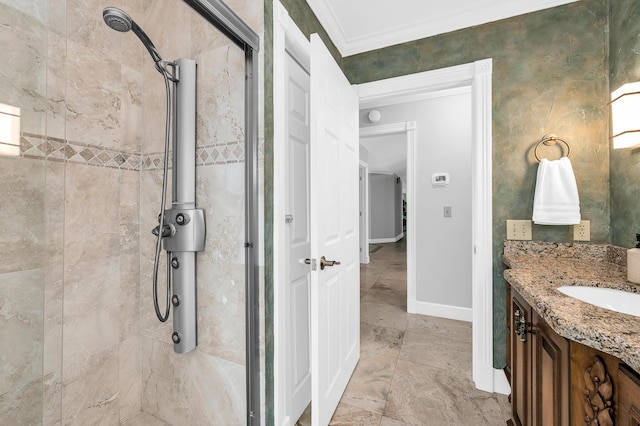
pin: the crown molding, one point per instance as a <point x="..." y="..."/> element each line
<point x="429" y="27"/>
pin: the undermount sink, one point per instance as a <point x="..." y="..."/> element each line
<point x="608" y="298"/>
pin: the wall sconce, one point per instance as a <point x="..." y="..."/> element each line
<point x="9" y="130"/>
<point x="625" y="116"/>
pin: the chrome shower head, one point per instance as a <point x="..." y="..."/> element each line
<point x="120" y="21"/>
<point x="117" y="19"/>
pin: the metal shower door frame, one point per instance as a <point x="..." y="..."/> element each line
<point x="224" y="19"/>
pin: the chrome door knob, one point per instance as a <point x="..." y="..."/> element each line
<point x="324" y="262"/>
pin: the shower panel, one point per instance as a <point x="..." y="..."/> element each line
<point x="185" y="223"/>
<point x="181" y="230"/>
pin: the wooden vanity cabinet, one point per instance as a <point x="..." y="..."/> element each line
<point x="550" y="375"/>
<point x="539" y="369"/>
<point x="628" y="397"/>
<point x="557" y="382"/>
<point x="521" y="398"/>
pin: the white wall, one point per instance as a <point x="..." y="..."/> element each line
<point x="385" y="200"/>
<point x="443" y="245"/>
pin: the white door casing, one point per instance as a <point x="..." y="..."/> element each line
<point x="364" y="212"/>
<point x="298" y="238"/>
<point x="478" y="76"/>
<point x="408" y="129"/>
<point x="335" y="291"/>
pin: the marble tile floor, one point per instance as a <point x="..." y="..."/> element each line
<point x="413" y="369"/>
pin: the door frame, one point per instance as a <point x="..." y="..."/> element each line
<point x="478" y="76"/>
<point x="285" y="35"/>
<point x="409" y="129"/>
<point x="364" y="219"/>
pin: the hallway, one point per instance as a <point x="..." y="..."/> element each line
<point x="413" y="369"/>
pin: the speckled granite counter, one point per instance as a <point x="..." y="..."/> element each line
<point x="538" y="268"/>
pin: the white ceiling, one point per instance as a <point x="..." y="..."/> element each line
<point x="357" y="26"/>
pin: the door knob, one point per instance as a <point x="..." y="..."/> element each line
<point x="324" y="262"/>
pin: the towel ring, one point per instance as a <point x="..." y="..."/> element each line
<point x="549" y="140"/>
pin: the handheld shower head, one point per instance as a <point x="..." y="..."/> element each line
<point x="120" y="21"/>
<point x="117" y="19"/>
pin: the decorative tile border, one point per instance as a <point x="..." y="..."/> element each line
<point x="56" y="149"/>
<point x="220" y="154"/>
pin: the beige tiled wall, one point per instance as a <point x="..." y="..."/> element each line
<point x="81" y="344"/>
<point x="206" y="386"/>
<point x="23" y="35"/>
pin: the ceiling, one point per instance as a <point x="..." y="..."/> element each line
<point x="357" y="26"/>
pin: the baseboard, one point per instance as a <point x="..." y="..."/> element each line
<point x="500" y="382"/>
<point x="386" y="240"/>
<point x="442" y="311"/>
<point x="286" y="421"/>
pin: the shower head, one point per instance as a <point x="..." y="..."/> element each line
<point x="117" y="19"/>
<point x="120" y="21"/>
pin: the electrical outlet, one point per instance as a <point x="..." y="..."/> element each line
<point x="582" y="232"/>
<point x="518" y="230"/>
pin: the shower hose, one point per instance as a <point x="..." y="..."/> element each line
<point x="161" y="216"/>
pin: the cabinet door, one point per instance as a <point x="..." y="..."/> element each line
<point x="549" y="375"/>
<point x="629" y="397"/>
<point x="520" y="363"/>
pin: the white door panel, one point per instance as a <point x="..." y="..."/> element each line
<point x="297" y="235"/>
<point x="300" y="331"/>
<point x="335" y="301"/>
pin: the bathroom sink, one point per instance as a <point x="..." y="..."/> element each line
<point x="608" y="298"/>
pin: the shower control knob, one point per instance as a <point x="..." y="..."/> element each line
<point x="166" y="231"/>
<point x="175" y="300"/>
<point x="175" y="337"/>
<point x="175" y="263"/>
<point x="182" y="219"/>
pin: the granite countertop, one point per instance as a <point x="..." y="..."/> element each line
<point x="538" y="269"/>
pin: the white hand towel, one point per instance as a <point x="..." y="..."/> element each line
<point x="556" y="200"/>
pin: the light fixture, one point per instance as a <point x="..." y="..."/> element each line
<point x="9" y="130"/>
<point x="625" y="116"/>
<point x="374" y="116"/>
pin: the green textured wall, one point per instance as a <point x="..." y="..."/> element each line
<point x="268" y="210"/>
<point x="624" y="67"/>
<point x="550" y="75"/>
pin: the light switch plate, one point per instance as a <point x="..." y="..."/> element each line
<point x="582" y="232"/>
<point x="519" y="230"/>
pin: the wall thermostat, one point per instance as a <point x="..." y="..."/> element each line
<point x="440" y="179"/>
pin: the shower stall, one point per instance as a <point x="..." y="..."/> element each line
<point x="82" y="161"/>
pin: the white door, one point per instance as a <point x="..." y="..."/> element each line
<point x="297" y="235"/>
<point x="335" y="290"/>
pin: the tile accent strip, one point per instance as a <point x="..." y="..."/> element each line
<point x="56" y="149"/>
